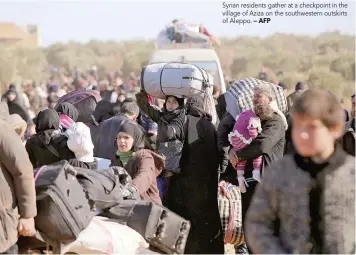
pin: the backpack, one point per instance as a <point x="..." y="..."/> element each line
<point x="85" y="100"/>
<point x="229" y="202"/>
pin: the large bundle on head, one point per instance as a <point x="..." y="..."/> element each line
<point x="239" y="97"/>
<point x="177" y="79"/>
<point x="85" y="100"/>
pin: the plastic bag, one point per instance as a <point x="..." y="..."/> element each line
<point x="104" y="236"/>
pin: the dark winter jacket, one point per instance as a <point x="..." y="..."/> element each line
<point x="269" y="143"/>
<point x="47" y="138"/>
<point x="170" y="124"/>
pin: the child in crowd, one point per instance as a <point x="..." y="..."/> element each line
<point x="306" y="203"/>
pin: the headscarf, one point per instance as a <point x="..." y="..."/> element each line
<point x="47" y="121"/>
<point x="179" y="100"/>
<point x="104" y="110"/>
<point x="179" y="113"/>
<point x="136" y="133"/>
<point x="69" y="110"/>
<point x="196" y="108"/>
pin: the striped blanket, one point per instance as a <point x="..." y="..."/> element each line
<point x="239" y="97"/>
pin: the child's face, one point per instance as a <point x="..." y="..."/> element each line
<point x="171" y="104"/>
<point x="311" y="137"/>
<point x="124" y="142"/>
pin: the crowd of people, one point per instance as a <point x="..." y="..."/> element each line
<point x="295" y="170"/>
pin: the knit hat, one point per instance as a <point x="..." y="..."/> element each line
<point x="79" y="141"/>
<point x="299" y="86"/>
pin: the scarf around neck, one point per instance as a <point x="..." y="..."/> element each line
<point x="125" y="156"/>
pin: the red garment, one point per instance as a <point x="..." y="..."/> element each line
<point x="204" y="31"/>
<point x="151" y="100"/>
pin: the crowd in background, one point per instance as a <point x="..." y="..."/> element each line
<point x="316" y="136"/>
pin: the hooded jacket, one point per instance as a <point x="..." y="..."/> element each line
<point x="144" y="167"/>
<point x="47" y="135"/>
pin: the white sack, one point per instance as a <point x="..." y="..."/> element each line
<point x="104" y="236"/>
<point x="177" y="79"/>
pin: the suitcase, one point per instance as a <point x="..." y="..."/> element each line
<point x="85" y="100"/>
<point x="162" y="229"/>
<point x="179" y="79"/>
<point x="64" y="209"/>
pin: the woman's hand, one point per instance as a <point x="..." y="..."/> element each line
<point x="233" y="158"/>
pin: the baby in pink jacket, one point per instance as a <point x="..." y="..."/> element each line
<point x="246" y="128"/>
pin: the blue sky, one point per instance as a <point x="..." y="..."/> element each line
<point x="84" y="20"/>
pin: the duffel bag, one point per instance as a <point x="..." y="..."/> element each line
<point x="161" y="228"/>
<point x="64" y="208"/>
<point x="85" y="100"/>
<point x="103" y="186"/>
<point x="239" y="97"/>
<point x="179" y="79"/>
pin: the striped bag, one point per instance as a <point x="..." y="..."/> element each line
<point x="229" y="201"/>
<point x="239" y="97"/>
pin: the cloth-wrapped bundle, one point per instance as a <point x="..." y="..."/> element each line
<point x="178" y="79"/>
<point x="239" y="97"/>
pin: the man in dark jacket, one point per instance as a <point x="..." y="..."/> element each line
<point x="269" y="144"/>
<point x="105" y="135"/>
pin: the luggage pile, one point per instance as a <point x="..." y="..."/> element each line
<point x="182" y="32"/>
<point x="70" y="201"/>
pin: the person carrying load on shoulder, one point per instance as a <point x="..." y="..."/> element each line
<point x="170" y="134"/>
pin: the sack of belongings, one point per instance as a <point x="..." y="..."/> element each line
<point x="239" y="97"/>
<point x="179" y="79"/>
<point x="105" y="236"/>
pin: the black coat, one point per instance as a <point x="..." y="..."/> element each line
<point x="193" y="193"/>
<point x="40" y="155"/>
<point x="269" y="143"/>
<point x="228" y="173"/>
